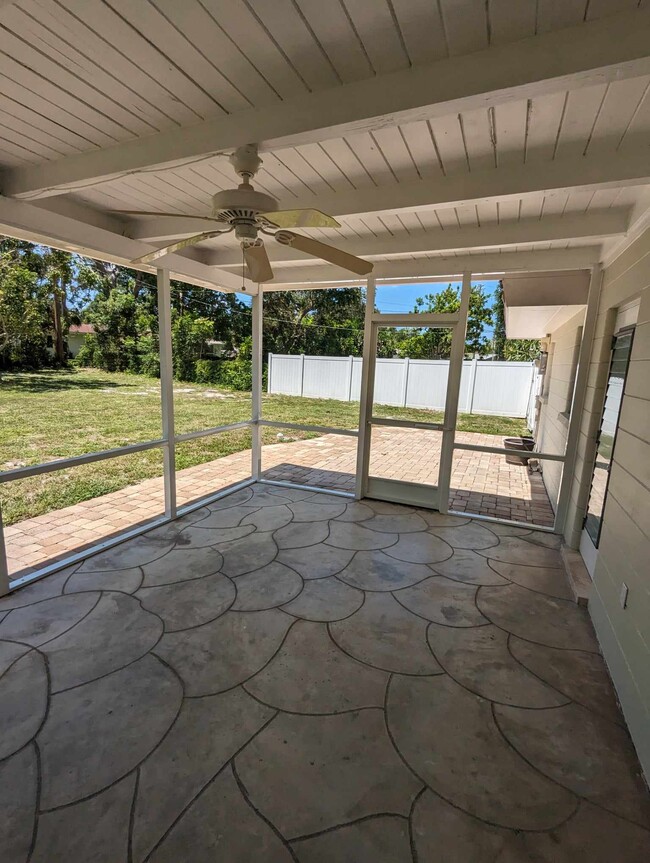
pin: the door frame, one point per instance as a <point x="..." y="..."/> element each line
<point x="399" y="491"/>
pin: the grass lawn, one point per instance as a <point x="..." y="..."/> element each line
<point x="56" y="414"/>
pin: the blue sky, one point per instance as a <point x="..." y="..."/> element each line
<point x="401" y="298"/>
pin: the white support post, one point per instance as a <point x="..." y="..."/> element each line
<point x="167" y="390"/>
<point x="367" y="392"/>
<point x="256" y="428"/>
<point x="269" y="374"/>
<point x="350" y="376"/>
<point x="405" y="381"/>
<point x="453" y="394"/>
<point x="302" y="374"/>
<point x="4" y="568"/>
<point x="579" y="393"/>
<point x="471" y="386"/>
<point x="530" y="405"/>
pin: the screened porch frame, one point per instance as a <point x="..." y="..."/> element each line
<point x="168" y="440"/>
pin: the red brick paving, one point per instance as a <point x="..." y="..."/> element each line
<point x="481" y="483"/>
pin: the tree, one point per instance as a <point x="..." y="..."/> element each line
<point x="435" y="342"/>
<point x="58" y="274"/>
<point x="122" y="306"/>
<point x="521" y="350"/>
<point x="231" y="319"/>
<point x="189" y="335"/>
<point x="121" y="303"/>
<point x="325" y="323"/>
<point x="499" y="319"/>
<point x="23" y="312"/>
<point x="513" y="350"/>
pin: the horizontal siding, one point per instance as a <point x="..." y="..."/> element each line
<point x="624" y="552"/>
<point x="634" y="495"/>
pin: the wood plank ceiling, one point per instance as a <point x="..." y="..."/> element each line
<point x="79" y="75"/>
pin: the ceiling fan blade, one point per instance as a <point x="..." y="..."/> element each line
<point x="300" y="219"/>
<point x="257" y="263"/>
<point x="172" y="215"/>
<point x="327" y="253"/>
<point x="174" y="247"/>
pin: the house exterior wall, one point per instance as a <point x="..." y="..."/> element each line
<point x="75" y="341"/>
<point x="557" y="392"/>
<point x="624" y="549"/>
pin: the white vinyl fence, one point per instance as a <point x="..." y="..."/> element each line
<point x="486" y="387"/>
<point x="535" y="391"/>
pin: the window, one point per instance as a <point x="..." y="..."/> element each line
<point x="606" y="441"/>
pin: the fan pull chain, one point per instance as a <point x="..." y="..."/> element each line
<point x="243" y="267"/>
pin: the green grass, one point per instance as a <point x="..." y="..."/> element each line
<point x="57" y="414"/>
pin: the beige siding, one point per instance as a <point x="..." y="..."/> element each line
<point x="554" y="417"/>
<point x="624" y="551"/>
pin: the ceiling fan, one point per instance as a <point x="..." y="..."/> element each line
<point x="249" y="213"/>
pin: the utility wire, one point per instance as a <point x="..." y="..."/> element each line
<point x="247" y="314"/>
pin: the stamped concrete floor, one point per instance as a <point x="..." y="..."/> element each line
<point x="289" y="676"/>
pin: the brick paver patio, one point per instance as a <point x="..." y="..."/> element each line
<point x="481" y="483"/>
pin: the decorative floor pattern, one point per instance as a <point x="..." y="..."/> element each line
<point x="482" y="483"/>
<point x="289" y="676"/>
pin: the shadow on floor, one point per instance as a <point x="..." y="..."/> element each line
<point x="537" y="511"/>
<point x="55" y="379"/>
<point x="319" y="477"/>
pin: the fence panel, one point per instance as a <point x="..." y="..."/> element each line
<point x="502" y="389"/>
<point x="486" y="387"/>
<point x="389" y="382"/>
<point x="535" y="390"/>
<point x="327" y="378"/>
<point x="427" y="384"/>
<point x="285" y="374"/>
<point x="355" y="389"/>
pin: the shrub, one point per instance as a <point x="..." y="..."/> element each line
<point x="236" y="375"/>
<point x="206" y="371"/>
<point x="231" y="374"/>
<point x="150" y="365"/>
<point x="188" y="337"/>
<point x="108" y="357"/>
<point x="86" y="353"/>
<point x="130" y="357"/>
<point x="149" y="359"/>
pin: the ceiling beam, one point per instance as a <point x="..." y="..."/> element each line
<point x="588" y="173"/>
<point x="594" y="52"/>
<point x="39" y="225"/>
<point x="166" y="229"/>
<point x="494" y="263"/>
<point x="595" y="226"/>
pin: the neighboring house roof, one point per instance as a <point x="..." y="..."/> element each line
<point x="83" y="329"/>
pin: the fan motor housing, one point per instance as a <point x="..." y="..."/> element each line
<point x="244" y="199"/>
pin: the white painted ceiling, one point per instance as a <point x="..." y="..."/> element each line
<point x="83" y="76"/>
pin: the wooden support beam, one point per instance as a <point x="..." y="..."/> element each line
<point x="442" y="267"/>
<point x="629" y="167"/>
<point x="609" y="223"/>
<point x="594" y="52"/>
